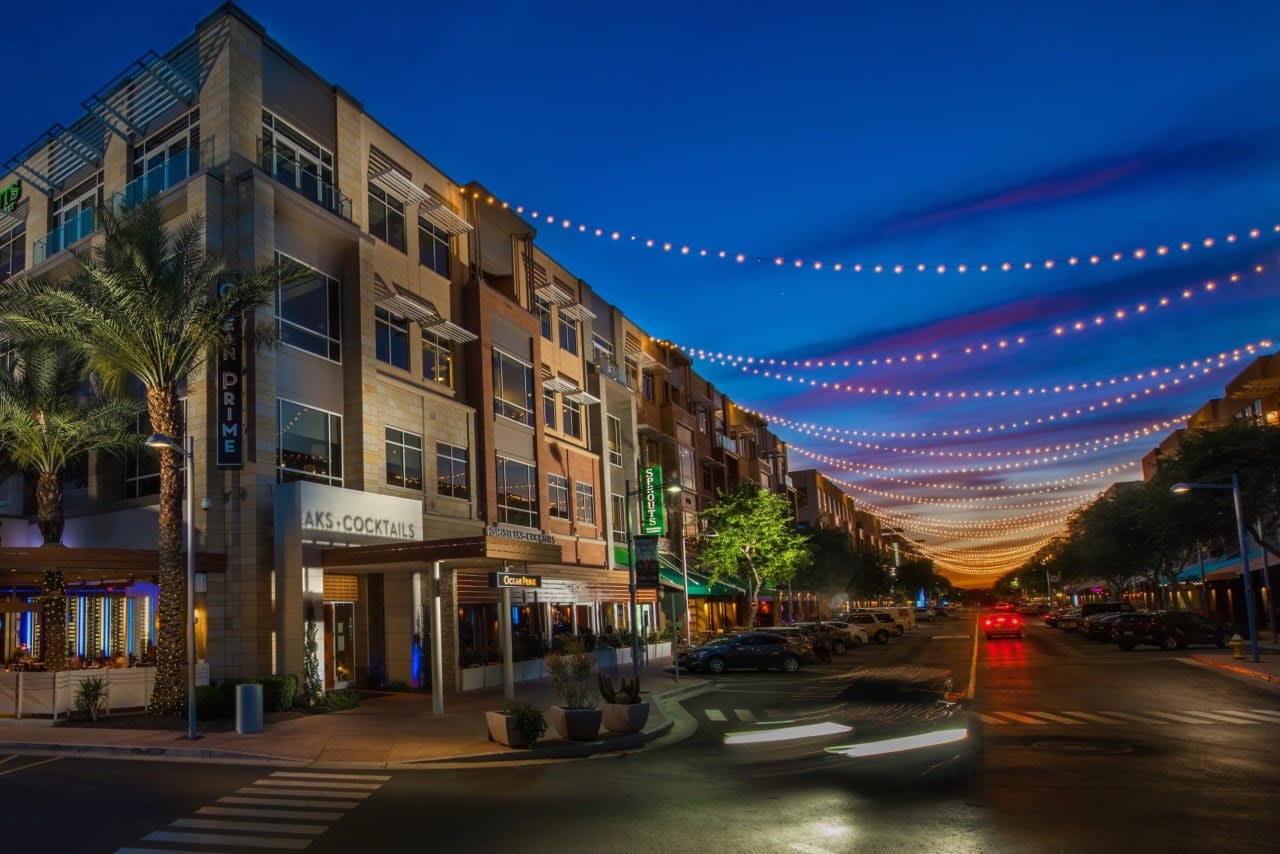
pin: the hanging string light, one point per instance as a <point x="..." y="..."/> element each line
<point x="1152" y="250"/>
<point x="1014" y="490"/>
<point x="862" y="468"/>
<point x="984" y="503"/>
<point x="987" y="467"/>
<point x="1008" y="344"/>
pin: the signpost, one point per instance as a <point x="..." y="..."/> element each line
<point x="230" y="419"/>
<point x="514" y="580"/>
<point x="647" y="563"/>
<point x="653" y="520"/>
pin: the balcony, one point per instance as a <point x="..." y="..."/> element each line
<point x="70" y="232"/>
<point x="608" y="368"/>
<point x="166" y="175"/>
<point x="301" y="177"/>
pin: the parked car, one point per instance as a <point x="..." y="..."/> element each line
<point x="1002" y="624"/>
<point x="887" y="619"/>
<point x="1068" y="619"/>
<point x="867" y="621"/>
<point x="850" y="635"/>
<point x="1088" y="609"/>
<point x="759" y="650"/>
<point x="904" y="615"/>
<point x="800" y="632"/>
<point x="1032" y="609"/>
<point x="924" y="615"/>
<point x="1098" y="626"/>
<point x="1168" y="629"/>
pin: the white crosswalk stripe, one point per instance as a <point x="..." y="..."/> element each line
<point x="1178" y="718"/>
<point x="715" y="715"/>
<point x="1066" y="717"/>
<point x="1021" y="719"/>
<point x="1057" y="719"/>
<point x="284" y="811"/>
<point x="1248" y="717"/>
<point x="1271" y="713"/>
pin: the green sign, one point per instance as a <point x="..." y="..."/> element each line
<point x="10" y="196"/>
<point x="653" y="521"/>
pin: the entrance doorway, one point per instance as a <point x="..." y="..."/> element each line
<point x="339" y="644"/>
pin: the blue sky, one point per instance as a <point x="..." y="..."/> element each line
<point x="841" y="132"/>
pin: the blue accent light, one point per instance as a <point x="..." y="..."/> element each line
<point x="129" y="611"/>
<point x="515" y="615"/>
<point x="415" y="663"/>
<point x="24" y="629"/>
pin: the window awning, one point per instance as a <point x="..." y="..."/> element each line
<point x="583" y="397"/>
<point x="439" y="214"/>
<point x="399" y="185"/>
<point x="450" y="331"/>
<point x="579" y="312"/>
<point x="396" y="299"/>
<point x="554" y="294"/>
<point x="699" y="585"/>
<point x="559" y="384"/>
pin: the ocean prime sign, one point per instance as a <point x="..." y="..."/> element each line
<point x="653" y="521"/>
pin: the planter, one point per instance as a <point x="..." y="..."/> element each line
<point x="576" y="724"/>
<point x="502" y="729"/>
<point x="624" y="717"/>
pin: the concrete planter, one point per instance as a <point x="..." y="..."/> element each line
<point x="575" y="724"/>
<point x="502" y="729"/>
<point x="624" y="717"/>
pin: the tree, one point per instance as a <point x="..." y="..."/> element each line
<point x="750" y="535"/>
<point x="148" y="304"/>
<point x="48" y="419"/>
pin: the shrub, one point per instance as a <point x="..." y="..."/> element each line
<point x="91" y="697"/>
<point x="528" y="720"/>
<point x="571" y="675"/>
<point x="627" y="693"/>
<point x="337" y="701"/>
<point x="278" y="692"/>
<point x="211" y="702"/>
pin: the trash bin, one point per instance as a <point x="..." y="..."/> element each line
<point x="248" y="708"/>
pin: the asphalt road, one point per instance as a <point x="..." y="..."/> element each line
<point x="1086" y="749"/>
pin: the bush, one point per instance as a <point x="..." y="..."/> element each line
<point x="211" y="702"/>
<point x="91" y="697"/>
<point x="571" y="674"/>
<point x="278" y="692"/>
<point x="337" y="701"/>
<point x="528" y="720"/>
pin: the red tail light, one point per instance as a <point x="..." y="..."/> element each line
<point x="987" y="622"/>
<point x="1017" y="621"/>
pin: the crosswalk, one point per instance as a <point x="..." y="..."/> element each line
<point x="284" y="811"/>
<point x="1149" y="717"/>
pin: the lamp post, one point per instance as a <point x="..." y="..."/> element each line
<point x="631" y="572"/>
<point x="1234" y="486"/>
<point x="160" y="441"/>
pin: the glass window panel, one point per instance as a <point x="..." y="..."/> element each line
<point x="310" y="445"/>
<point x="453" y="477"/>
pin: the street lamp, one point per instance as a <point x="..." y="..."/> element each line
<point x="676" y="489"/>
<point x="1234" y="486"/>
<point x="160" y="441"/>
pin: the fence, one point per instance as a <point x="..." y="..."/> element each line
<point x="52" y="695"/>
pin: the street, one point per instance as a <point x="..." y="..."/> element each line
<point x="1086" y="748"/>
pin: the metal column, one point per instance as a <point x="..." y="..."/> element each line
<point x="437" y="643"/>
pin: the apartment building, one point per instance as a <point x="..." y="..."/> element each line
<point x="449" y="406"/>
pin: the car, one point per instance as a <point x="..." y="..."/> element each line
<point x="1032" y="609"/>
<point x="924" y="615"/>
<point x="1097" y="626"/>
<point x="850" y="635"/>
<point x="1051" y="617"/>
<point x="755" y="649"/>
<point x="1068" y="619"/>
<point x="1168" y="629"/>
<point x="881" y="727"/>
<point x="1002" y="624"/>
<point x="905" y="616"/>
<point x="1003" y="606"/>
<point x="805" y="642"/>
<point x="887" y="619"/>
<point x="865" y="620"/>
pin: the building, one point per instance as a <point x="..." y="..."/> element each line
<point x="450" y="408"/>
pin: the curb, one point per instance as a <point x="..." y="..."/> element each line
<point x="128" y="752"/>
<point x="1208" y="661"/>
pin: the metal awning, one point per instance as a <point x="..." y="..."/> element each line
<point x="399" y="301"/>
<point x="399" y="185"/>
<point x="559" y="384"/>
<point x="439" y="214"/>
<point x="450" y="331"/>
<point x="554" y="293"/>
<point x="583" y="397"/>
<point x="579" y="312"/>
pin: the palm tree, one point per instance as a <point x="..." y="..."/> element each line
<point x="149" y="304"/>
<point x="47" y="420"/>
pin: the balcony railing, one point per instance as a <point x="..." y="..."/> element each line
<point x="729" y="444"/>
<point x="163" y="176"/>
<point x="300" y="177"/>
<point x="610" y="370"/>
<point x="72" y="231"/>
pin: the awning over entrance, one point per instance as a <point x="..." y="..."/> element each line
<point x="699" y="585"/>
<point x="24" y="565"/>
<point x="416" y="555"/>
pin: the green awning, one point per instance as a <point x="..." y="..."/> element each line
<point x="699" y="585"/>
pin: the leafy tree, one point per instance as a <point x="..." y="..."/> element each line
<point x="148" y="304"/>
<point x="838" y="566"/>
<point x="750" y="535"/>
<point x="47" y="421"/>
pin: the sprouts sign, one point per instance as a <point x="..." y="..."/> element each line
<point x="10" y="196"/>
<point x="653" y="520"/>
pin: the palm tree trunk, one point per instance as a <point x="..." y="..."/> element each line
<point x="169" y="694"/>
<point x="53" y="595"/>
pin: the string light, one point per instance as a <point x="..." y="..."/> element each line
<point x="973" y="504"/>
<point x="1011" y="342"/>
<point x="788" y="261"/>
<point x="986" y="467"/>
<point x="1018" y="490"/>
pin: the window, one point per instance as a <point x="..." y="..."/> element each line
<point x="633" y="373"/>
<point x="512" y="388"/>
<point x="543" y="309"/>
<point x="517" y="492"/>
<point x="687" y="480"/>
<point x="568" y="334"/>
<point x="585" y="502"/>
<point x="142" y="466"/>
<point x="74" y="214"/>
<point x="453" y="474"/>
<point x="602" y="350"/>
<point x="704" y="422"/>
<point x="649" y="393"/>
<point x="571" y="412"/>
<point x="310" y="314"/>
<point x="391" y="333"/>
<point x="310" y="445"/>
<point x="297" y="162"/>
<point x="13" y="251"/>
<point x="165" y="160"/>
<point x="615" y="441"/>
<point x="386" y="217"/>
<point x="433" y="247"/>
<point x="437" y="358"/>
<point x="557" y="496"/>
<point x="619" y="517"/>
<point x="404" y="459"/>
<point x="549" y="408"/>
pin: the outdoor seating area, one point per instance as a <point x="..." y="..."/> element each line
<point x="43" y="694"/>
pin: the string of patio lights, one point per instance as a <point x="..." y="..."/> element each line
<point x="1004" y="345"/>
<point x="685" y="249"/>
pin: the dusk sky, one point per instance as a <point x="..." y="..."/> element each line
<point x="843" y="133"/>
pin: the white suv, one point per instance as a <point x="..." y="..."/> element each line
<point x="872" y="627"/>
<point x="888" y="619"/>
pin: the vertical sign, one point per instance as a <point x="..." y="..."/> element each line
<point x="652" y="513"/>
<point x="230" y="419"/>
<point x="647" y="563"/>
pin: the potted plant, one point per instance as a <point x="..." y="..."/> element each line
<point x="576" y="718"/>
<point x="622" y="708"/>
<point x="517" y="725"/>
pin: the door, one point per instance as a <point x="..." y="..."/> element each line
<point x="339" y="644"/>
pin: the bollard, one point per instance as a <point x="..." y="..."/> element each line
<point x="248" y="708"/>
<point x="1237" y="647"/>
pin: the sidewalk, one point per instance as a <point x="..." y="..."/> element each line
<point x="1266" y="669"/>
<point x="389" y="729"/>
